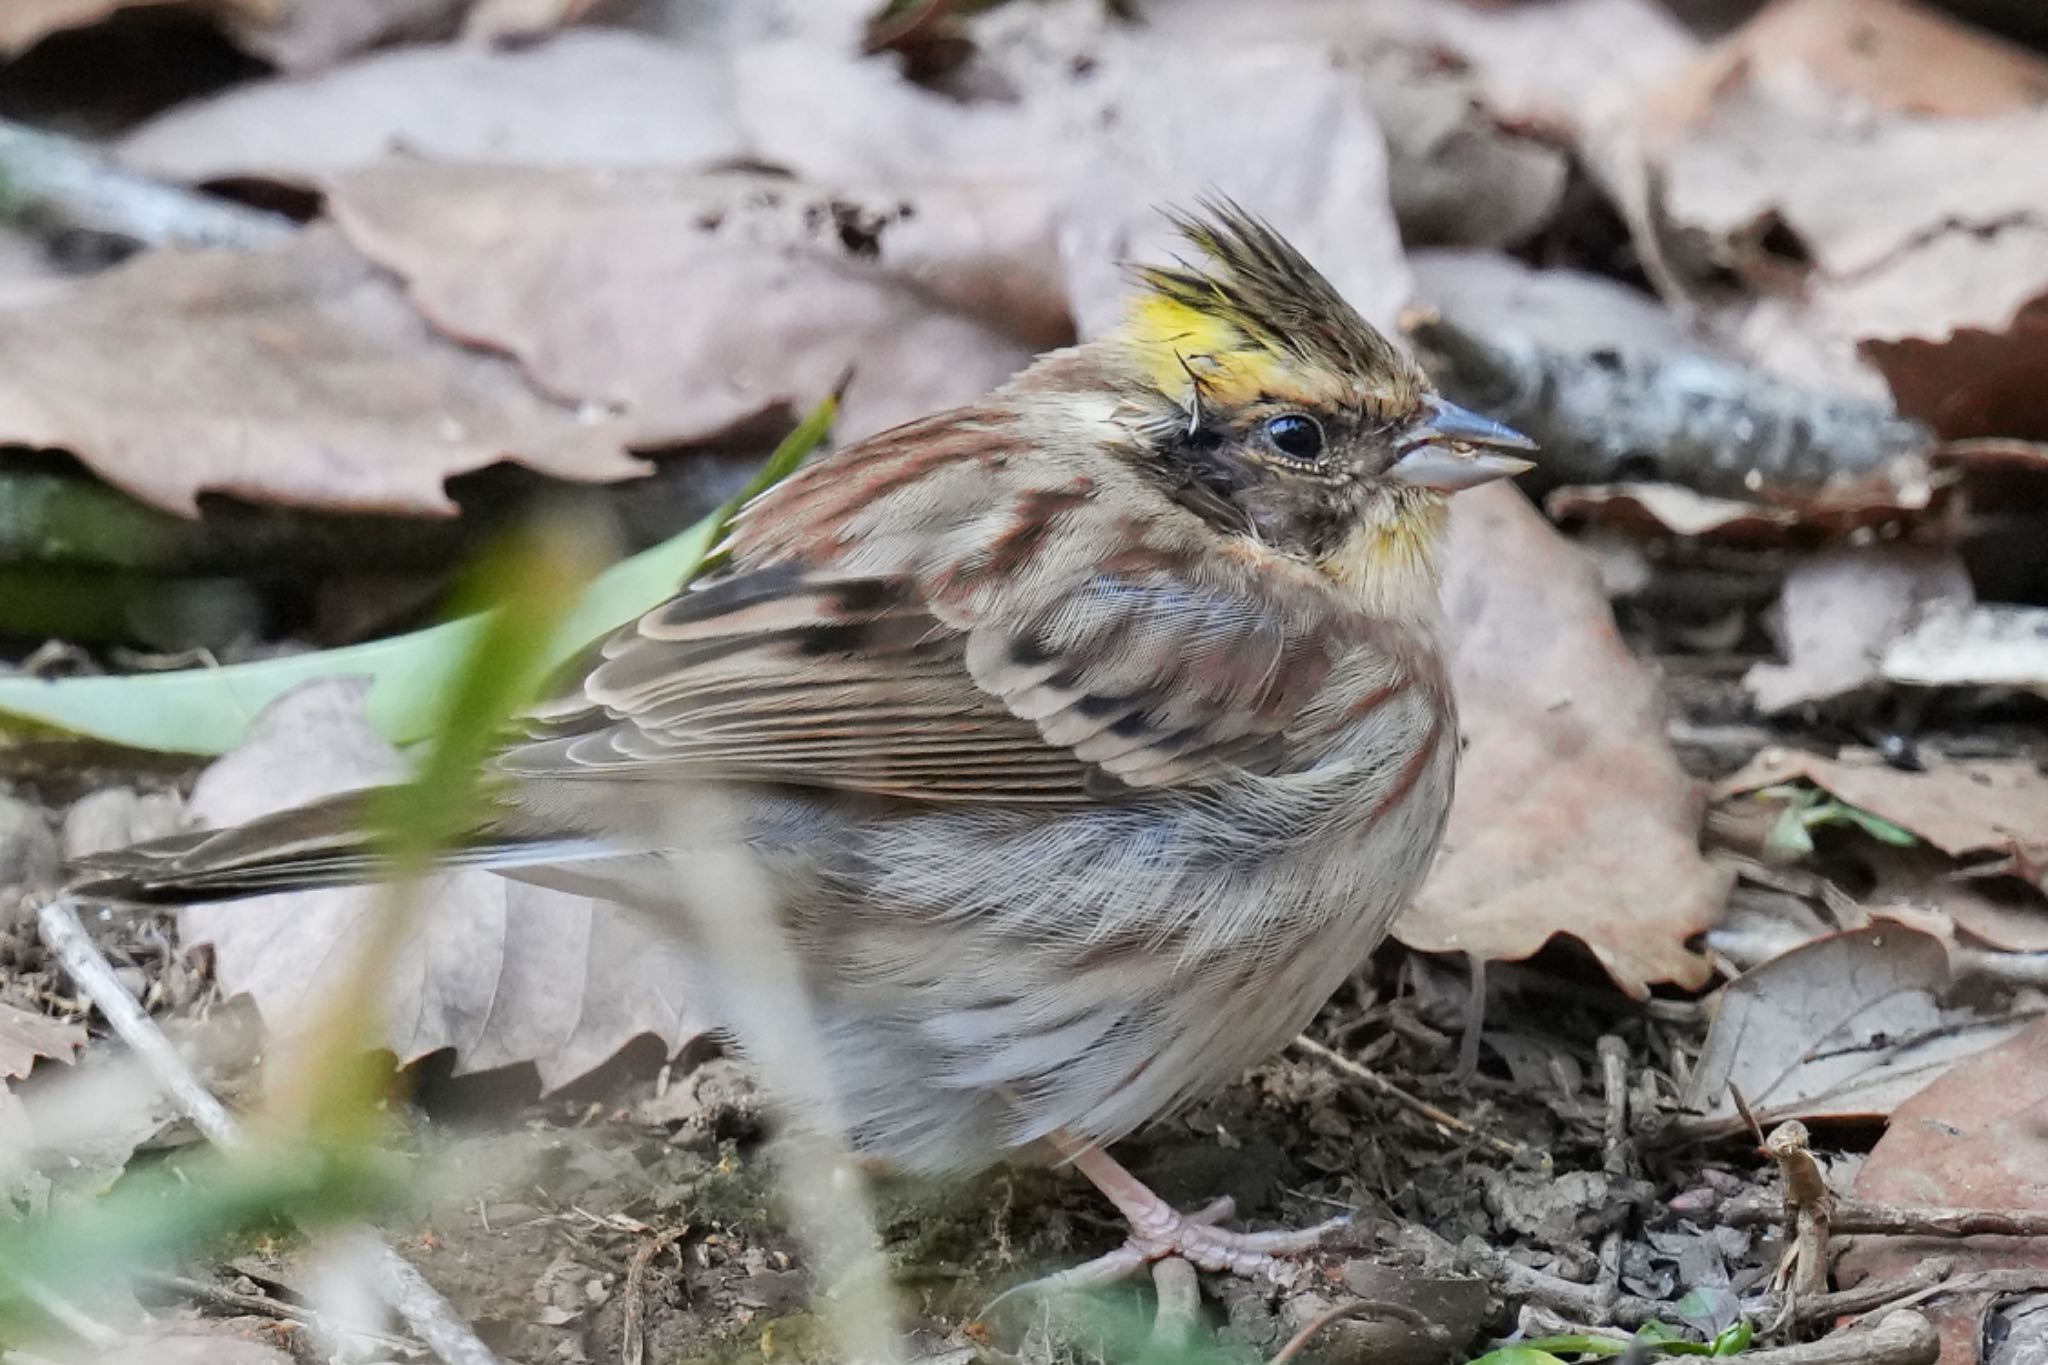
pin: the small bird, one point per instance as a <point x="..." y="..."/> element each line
<point x="1090" y="734"/>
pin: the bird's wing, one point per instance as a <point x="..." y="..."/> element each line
<point x="1019" y="651"/>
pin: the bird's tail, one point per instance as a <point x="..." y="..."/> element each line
<point x="324" y="844"/>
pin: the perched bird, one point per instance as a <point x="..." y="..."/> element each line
<point x="1090" y="734"/>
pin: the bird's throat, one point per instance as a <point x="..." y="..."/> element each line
<point x="1392" y="560"/>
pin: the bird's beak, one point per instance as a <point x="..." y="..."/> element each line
<point x="1448" y="448"/>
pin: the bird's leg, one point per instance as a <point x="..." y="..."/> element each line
<point x="1159" y="1230"/>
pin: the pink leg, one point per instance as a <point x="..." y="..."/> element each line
<point x="1159" y="1230"/>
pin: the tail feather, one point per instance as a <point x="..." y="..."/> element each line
<point x="308" y="848"/>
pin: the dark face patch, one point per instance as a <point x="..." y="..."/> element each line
<point x="1256" y="475"/>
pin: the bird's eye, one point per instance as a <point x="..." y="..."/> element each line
<point x="1295" y="436"/>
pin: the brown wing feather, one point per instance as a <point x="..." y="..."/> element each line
<point x="930" y="616"/>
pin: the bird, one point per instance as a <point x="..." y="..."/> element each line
<point x="1089" y="735"/>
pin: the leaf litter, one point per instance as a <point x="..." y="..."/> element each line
<point x="1024" y="197"/>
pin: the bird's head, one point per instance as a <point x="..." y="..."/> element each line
<point x="1272" y="409"/>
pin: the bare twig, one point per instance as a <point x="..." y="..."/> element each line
<point x="211" y="1295"/>
<point x="1442" y="1118"/>
<point x="1903" y="1338"/>
<point x="1709" y="424"/>
<point x="1180" y="1307"/>
<point x="1809" y="1206"/>
<point x="1871" y="1294"/>
<point x="430" y="1316"/>
<point x="1616" y="1157"/>
<point x="632" y="1330"/>
<point x="1854" y="1217"/>
<point x="70" y="183"/>
<point x="1358" y="1308"/>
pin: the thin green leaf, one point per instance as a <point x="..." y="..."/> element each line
<point x="1879" y="828"/>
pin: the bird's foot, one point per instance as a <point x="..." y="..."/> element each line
<point x="1158" y="1230"/>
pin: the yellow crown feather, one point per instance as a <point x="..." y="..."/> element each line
<point x="1256" y="320"/>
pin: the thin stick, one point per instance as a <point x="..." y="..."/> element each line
<point x="632" y="1330"/>
<point x="1443" y="1118"/>
<point x="1902" y="1338"/>
<point x="1855" y="1217"/>
<point x="1615" y="1144"/>
<point x="211" y="1295"/>
<point x="1357" y="1308"/>
<point x="432" y="1319"/>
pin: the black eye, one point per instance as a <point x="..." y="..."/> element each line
<point x="1295" y="436"/>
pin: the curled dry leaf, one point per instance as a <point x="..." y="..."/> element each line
<point x="1863" y="228"/>
<point x="1842" y="609"/>
<point x="27" y="1037"/>
<point x="1966" y="646"/>
<point x="1110" y="125"/>
<point x="24" y="23"/>
<point x="690" y="304"/>
<point x="291" y="374"/>
<point x="302" y="35"/>
<point x="1842" y="1027"/>
<point x="500" y="971"/>
<point x="1572" y="816"/>
<point x="583" y="98"/>
<point x="1896" y="54"/>
<point x="1961" y="808"/>
<point x="1976" y="1138"/>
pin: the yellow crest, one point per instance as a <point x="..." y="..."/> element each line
<point x="1256" y="320"/>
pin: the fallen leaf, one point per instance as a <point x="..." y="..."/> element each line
<point x="1572" y="311"/>
<point x="1961" y="808"/>
<point x="1975" y="1138"/>
<point x="502" y="20"/>
<point x="295" y="373"/>
<point x="502" y="972"/>
<point x="1895" y="54"/>
<point x="1966" y="646"/>
<point x="1974" y="381"/>
<point x="306" y="35"/>
<point x="26" y="1037"/>
<point x="1842" y="1027"/>
<point x="586" y="97"/>
<point x="1856" y="227"/>
<point x="691" y="304"/>
<point x="189" y="1345"/>
<point x="1111" y="126"/>
<point x="24" y="23"/>
<point x="1572" y="816"/>
<point x="1842" y="609"/>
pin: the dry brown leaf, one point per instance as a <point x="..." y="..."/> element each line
<point x="1573" y="816"/>
<point x="24" y="23"/>
<point x="691" y="303"/>
<point x="1842" y="609"/>
<point x="1976" y="381"/>
<point x="26" y="1037"/>
<point x="291" y="374"/>
<point x="1976" y="1138"/>
<point x="1896" y="54"/>
<point x="1111" y="126"/>
<point x="1842" y="1027"/>
<point x="587" y="97"/>
<point x="1964" y="646"/>
<point x="1961" y="808"/>
<point x="500" y="971"/>
<point x="500" y="20"/>
<point x="1860" y="227"/>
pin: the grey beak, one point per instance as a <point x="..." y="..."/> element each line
<point x="1449" y="448"/>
